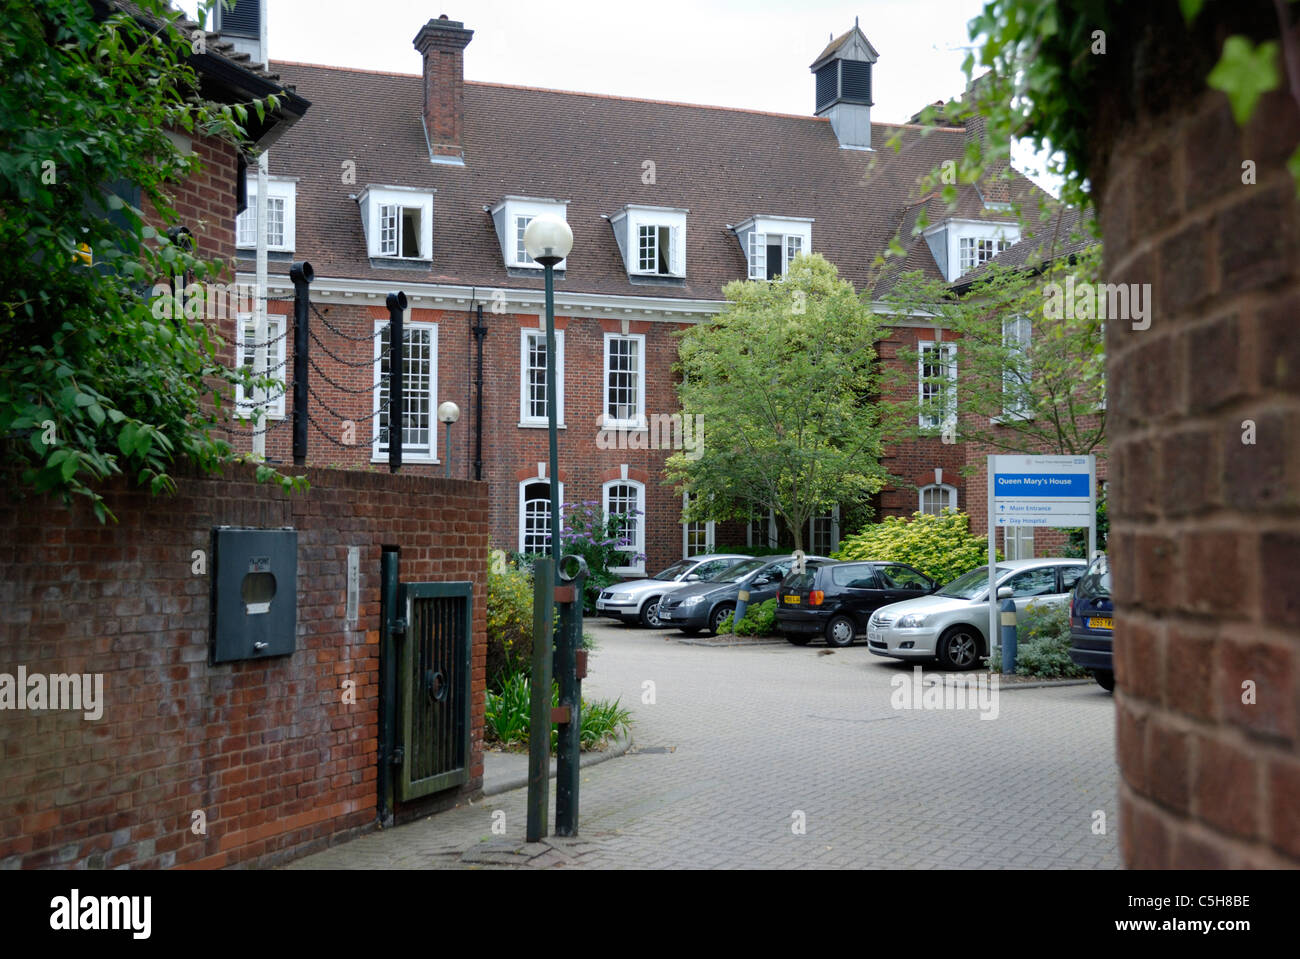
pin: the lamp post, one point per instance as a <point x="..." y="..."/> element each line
<point x="548" y="240"/>
<point x="448" y="413"/>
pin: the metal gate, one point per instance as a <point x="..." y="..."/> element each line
<point x="433" y="687"/>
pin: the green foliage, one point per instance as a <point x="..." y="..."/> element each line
<point x="601" y="540"/>
<point x="759" y="620"/>
<point x="1044" y="397"/>
<point x="92" y="383"/>
<point x="1043" y="643"/>
<point x="509" y="715"/>
<point x="783" y="380"/>
<point x="1245" y="73"/>
<point x="509" y="624"/>
<point x="1078" y="538"/>
<point x="942" y="546"/>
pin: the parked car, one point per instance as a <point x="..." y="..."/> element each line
<point x="835" y="600"/>
<point x="637" y="601"/>
<point x="1092" y="623"/>
<point x="704" y="605"/>
<point x="950" y="624"/>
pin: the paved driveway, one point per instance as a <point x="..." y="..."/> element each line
<point x="778" y="756"/>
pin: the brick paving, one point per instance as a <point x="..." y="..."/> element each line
<point x="742" y="744"/>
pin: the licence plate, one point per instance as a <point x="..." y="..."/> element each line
<point x="791" y="600"/>
<point x="665" y="614"/>
<point x="1101" y="622"/>
<point x="875" y="636"/>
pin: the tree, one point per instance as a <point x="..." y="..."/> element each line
<point x="92" y="382"/>
<point x="783" y="379"/>
<point x="1028" y="348"/>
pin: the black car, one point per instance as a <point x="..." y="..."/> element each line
<point x="837" y="599"/>
<point x="706" y="604"/>
<point x="1092" y="623"/>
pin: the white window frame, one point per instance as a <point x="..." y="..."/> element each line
<point x="284" y="189"/>
<point x="949" y="351"/>
<point x="638" y="544"/>
<point x="971" y="252"/>
<point x="520" y="516"/>
<point x="771" y="539"/>
<point x="1016" y="540"/>
<point x="506" y="216"/>
<point x="710" y="533"/>
<point x="521" y="221"/>
<point x="640" y="420"/>
<point x="375" y="201"/>
<point x="525" y="418"/>
<point x="762" y="230"/>
<point x="632" y="219"/>
<point x="1019" y="329"/>
<point x="378" y="451"/>
<point x="276" y="325"/>
<point x="834" y="516"/>
<point x="946" y="488"/>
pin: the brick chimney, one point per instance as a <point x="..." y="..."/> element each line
<point x="442" y="43"/>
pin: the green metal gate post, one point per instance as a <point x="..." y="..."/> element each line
<point x="569" y="741"/>
<point x="539" y="729"/>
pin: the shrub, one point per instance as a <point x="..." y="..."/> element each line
<point x="942" y="547"/>
<point x="509" y="715"/>
<point x="1043" y="644"/>
<point x="509" y="624"/>
<point x="758" y="620"/>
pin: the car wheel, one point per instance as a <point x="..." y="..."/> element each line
<point x="650" y="613"/>
<point x="1105" y="679"/>
<point x="798" y="639"/>
<point x="840" y="631"/>
<point x="721" y="612"/>
<point x="958" y="648"/>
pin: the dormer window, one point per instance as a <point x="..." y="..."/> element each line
<point x="280" y="197"/>
<point x="978" y="250"/>
<point x="960" y="246"/>
<point x="771" y="243"/>
<point x="398" y="222"/>
<point x="652" y="240"/>
<point x="511" y="217"/>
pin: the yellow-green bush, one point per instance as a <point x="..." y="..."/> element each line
<point x="509" y="622"/>
<point x="942" y="547"/>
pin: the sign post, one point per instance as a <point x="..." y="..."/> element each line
<point x="1053" y="491"/>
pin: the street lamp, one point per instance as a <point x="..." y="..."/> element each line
<point x="548" y="240"/>
<point x="448" y="413"/>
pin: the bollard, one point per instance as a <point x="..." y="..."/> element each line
<point x="1008" y="636"/>
<point x="539" y="733"/>
<point x="742" y="604"/>
<point x="571" y="576"/>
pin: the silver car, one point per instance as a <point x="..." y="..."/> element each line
<point x="950" y="624"/>
<point x="638" y="600"/>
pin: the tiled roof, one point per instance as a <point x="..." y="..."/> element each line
<point x="723" y="165"/>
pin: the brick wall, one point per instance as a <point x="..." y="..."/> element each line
<point x="277" y="762"/>
<point x="1205" y="538"/>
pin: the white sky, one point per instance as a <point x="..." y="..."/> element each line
<point x="752" y="54"/>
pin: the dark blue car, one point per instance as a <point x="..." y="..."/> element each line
<point x="1092" y="623"/>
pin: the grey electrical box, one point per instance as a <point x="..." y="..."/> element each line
<point x="254" y="598"/>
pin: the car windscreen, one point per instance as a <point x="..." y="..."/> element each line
<point x="1095" y="582"/>
<point x="739" y="571"/>
<point x="675" y="571"/>
<point x="969" y="585"/>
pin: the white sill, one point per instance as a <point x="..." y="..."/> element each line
<point x="538" y="425"/>
<point x="662" y="276"/>
<point x="628" y="570"/>
<point x="625" y="426"/>
<point x="383" y="257"/>
<point x="408" y="458"/>
<point x="269" y="249"/>
<point x="1011" y="418"/>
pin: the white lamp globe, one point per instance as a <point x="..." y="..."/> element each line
<point x="448" y="412"/>
<point x="548" y="239"/>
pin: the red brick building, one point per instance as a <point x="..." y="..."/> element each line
<point x="423" y="183"/>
